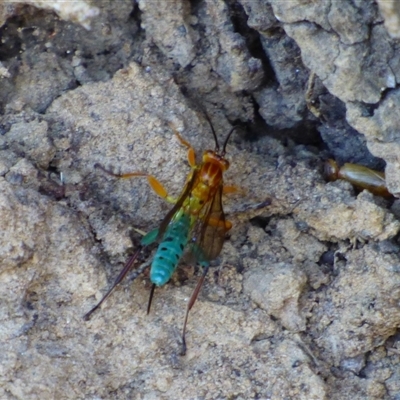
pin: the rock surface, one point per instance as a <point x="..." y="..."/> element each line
<point x="302" y="302"/>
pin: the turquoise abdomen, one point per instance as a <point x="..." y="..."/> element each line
<point x="170" y="250"/>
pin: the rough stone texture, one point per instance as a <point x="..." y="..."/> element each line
<point x="6" y="11"/>
<point x="347" y="46"/>
<point x="382" y="128"/>
<point x="277" y="289"/>
<point x="337" y="32"/>
<point x="32" y="139"/>
<point x="390" y="11"/>
<point x="233" y="64"/>
<point x="77" y="11"/>
<point x="168" y="25"/>
<point x="285" y="103"/>
<point x="369" y="316"/>
<point x="303" y="300"/>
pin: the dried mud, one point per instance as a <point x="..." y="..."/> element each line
<point x="303" y="302"/>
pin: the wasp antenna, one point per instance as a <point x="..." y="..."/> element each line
<point x="213" y="132"/>
<point x="227" y="139"/>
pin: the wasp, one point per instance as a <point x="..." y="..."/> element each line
<point x="196" y="221"/>
<point x="359" y="176"/>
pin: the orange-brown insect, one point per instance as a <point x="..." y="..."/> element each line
<point x="359" y="176"/>
<point x="196" y="221"/>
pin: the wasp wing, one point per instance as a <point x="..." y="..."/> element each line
<point x="210" y="229"/>
<point x="177" y="206"/>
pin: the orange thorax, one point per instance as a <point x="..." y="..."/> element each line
<point x="209" y="180"/>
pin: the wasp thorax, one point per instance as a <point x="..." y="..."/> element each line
<point x="212" y="157"/>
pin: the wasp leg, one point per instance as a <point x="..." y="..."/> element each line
<point x="155" y="184"/>
<point x="191" y="155"/>
<point x="230" y="189"/>
<point x="120" y="277"/>
<point x="192" y="300"/>
<point x="220" y="223"/>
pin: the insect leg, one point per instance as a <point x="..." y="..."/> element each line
<point x="191" y="302"/>
<point x="230" y="189"/>
<point x="155" y="184"/>
<point x="218" y="223"/>
<point x="191" y="156"/>
<point x="120" y="277"/>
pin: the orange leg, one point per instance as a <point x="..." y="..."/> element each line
<point x="155" y="184"/>
<point x="219" y="223"/>
<point x="229" y="189"/>
<point x="191" y="156"/>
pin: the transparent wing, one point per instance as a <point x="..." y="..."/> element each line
<point x="210" y="229"/>
<point x="177" y="206"/>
